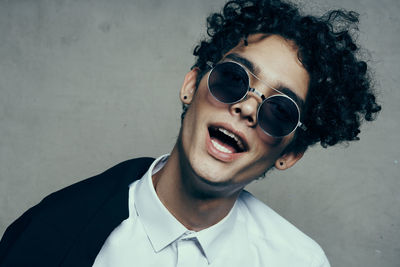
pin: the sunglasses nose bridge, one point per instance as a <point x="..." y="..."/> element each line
<point x="257" y="93"/>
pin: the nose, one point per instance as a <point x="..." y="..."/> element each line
<point x="247" y="110"/>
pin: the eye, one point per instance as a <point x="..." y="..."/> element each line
<point x="235" y="76"/>
<point x="280" y="111"/>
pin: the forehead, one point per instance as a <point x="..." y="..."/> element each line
<point x="275" y="61"/>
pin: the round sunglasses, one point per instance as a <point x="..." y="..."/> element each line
<point x="278" y="115"/>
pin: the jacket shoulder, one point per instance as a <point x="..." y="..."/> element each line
<point x="120" y="175"/>
<point x="52" y="225"/>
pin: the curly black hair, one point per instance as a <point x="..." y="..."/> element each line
<point x="340" y="94"/>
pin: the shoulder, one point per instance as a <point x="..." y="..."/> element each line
<point x="106" y="182"/>
<point x="269" y="230"/>
<point x="87" y="194"/>
<point x="59" y="217"/>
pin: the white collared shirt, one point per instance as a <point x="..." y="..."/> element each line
<point x="250" y="235"/>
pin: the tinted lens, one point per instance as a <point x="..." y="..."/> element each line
<point x="228" y="82"/>
<point x="278" y="116"/>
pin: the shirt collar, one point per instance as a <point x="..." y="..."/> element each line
<point x="160" y="225"/>
<point x="163" y="228"/>
<point x="220" y="235"/>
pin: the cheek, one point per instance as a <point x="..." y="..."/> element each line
<point x="268" y="149"/>
<point x="257" y="168"/>
<point x="204" y="94"/>
<point x="213" y="101"/>
<point x="188" y="127"/>
<point x="269" y="140"/>
<point x="204" y="105"/>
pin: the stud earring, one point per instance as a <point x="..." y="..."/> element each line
<point x="281" y="163"/>
<point x="185" y="97"/>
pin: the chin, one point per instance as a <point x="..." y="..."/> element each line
<point x="204" y="185"/>
<point x="206" y="177"/>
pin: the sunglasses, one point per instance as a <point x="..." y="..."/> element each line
<point x="278" y="115"/>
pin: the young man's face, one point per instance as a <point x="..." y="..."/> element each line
<point x="222" y="167"/>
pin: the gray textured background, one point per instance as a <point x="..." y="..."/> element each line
<point x="87" y="84"/>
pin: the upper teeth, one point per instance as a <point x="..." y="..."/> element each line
<point x="232" y="135"/>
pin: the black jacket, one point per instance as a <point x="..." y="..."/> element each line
<point x="69" y="227"/>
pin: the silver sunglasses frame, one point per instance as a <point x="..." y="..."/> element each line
<point x="258" y="93"/>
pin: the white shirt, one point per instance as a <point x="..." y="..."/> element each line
<point x="250" y="235"/>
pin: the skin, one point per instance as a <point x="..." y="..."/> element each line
<point x="199" y="187"/>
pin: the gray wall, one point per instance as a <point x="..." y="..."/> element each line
<point x="87" y="84"/>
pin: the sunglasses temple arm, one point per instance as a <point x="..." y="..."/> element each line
<point x="210" y="64"/>
<point x="302" y="126"/>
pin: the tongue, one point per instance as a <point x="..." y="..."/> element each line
<point x="223" y="147"/>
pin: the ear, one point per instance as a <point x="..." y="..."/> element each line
<point x="188" y="87"/>
<point x="288" y="160"/>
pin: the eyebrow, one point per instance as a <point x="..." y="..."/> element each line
<point x="244" y="61"/>
<point x="255" y="70"/>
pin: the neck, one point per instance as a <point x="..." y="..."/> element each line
<point x="196" y="210"/>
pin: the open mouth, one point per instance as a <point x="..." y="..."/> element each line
<point x="226" y="141"/>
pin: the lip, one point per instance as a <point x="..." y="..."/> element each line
<point x="222" y="156"/>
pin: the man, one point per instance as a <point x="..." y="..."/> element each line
<point x="267" y="84"/>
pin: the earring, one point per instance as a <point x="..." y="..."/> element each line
<point x="281" y="163"/>
<point x="185" y="97"/>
